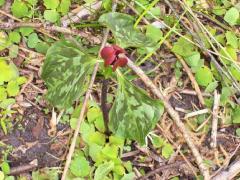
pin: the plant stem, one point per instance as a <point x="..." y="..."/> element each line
<point x="104" y="103"/>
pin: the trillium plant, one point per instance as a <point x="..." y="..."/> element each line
<point x="67" y="70"/>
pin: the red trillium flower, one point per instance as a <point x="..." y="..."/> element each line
<point x="110" y="54"/>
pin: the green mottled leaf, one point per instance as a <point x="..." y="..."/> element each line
<point x="238" y="132"/>
<point x="66" y="73"/>
<point x="122" y="28"/>
<point x="134" y="114"/>
<point x="232" y="16"/>
<point x="103" y="170"/>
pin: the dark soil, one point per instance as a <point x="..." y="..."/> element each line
<point x="32" y="141"/>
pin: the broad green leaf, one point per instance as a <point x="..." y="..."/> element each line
<point x="121" y="26"/>
<point x="99" y="124"/>
<point x="7" y="102"/>
<point x="235" y="72"/>
<point x="51" y="4"/>
<point x="64" y="6"/>
<point x="97" y="138"/>
<point x="80" y="166"/>
<point x="95" y="152"/>
<point x="2" y="2"/>
<point x="119" y="169"/>
<point x="157" y="141"/>
<point x="232" y="39"/>
<point x="93" y="113"/>
<point x="33" y="40"/>
<point x="45" y="173"/>
<point x="51" y="15"/>
<point x="225" y="95"/>
<point x="14" y="37"/>
<point x="86" y="129"/>
<point x="42" y="47"/>
<point x="13" y="88"/>
<point x="3" y="93"/>
<point x="211" y="87"/>
<point x="232" y="16"/>
<point x="66" y="73"/>
<point x="236" y="115"/>
<point x="13" y="51"/>
<point x="5" y="167"/>
<point x="25" y="31"/>
<point x="204" y="76"/>
<point x="167" y="150"/>
<point x="8" y="71"/>
<point x="134" y="114"/>
<point x="116" y="140"/>
<point x="194" y="61"/>
<point x="19" y="8"/>
<point x="154" y="33"/>
<point x="103" y="170"/>
<point x="231" y="52"/>
<point x="21" y="80"/>
<point x="110" y="151"/>
<point x="183" y="47"/>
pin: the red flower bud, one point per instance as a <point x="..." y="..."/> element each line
<point x="110" y="56"/>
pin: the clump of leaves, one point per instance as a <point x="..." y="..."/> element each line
<point x="9" y="88"/>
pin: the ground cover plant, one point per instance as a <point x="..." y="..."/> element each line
<point x="119" y="89"/>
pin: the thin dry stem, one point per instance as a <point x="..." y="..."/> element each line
<point x="175" y="116"/>
<point x="215" y="119"/>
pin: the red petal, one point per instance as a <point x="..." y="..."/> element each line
<point x="109" y="60"/>
<point x="115" y="65"/>
<point x="122" y="62"/>
<point x="107" y="52"/>
<point x="118" y="50"/>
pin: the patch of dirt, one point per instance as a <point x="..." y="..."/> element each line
<point x="30" y="140"/>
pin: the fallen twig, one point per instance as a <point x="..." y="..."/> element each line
<point x="229" y="173"/>
<point x="215" y="119"/>
<point x="24" y="168"/>
<point x="196" y="113"/>
<point x="83" y="12"/>
<point x="175" y="116"/>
